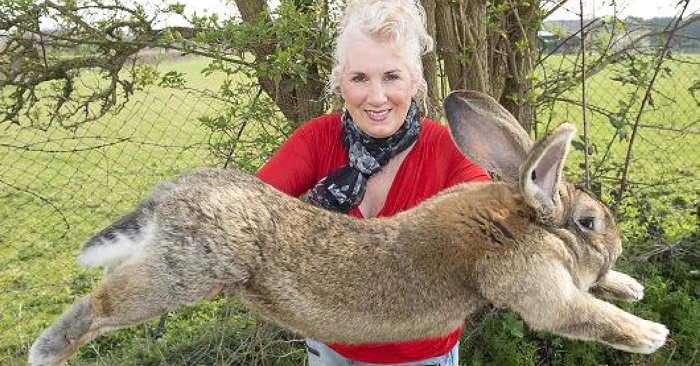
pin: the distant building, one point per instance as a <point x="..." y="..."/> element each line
<point x="547" y="41"/>
<point x="556" y="39"/>
<point x="563" y="36"/>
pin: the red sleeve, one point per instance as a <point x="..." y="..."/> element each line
<point x="292" y="169"/>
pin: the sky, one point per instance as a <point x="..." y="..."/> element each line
<point x="636" y="8"/>
<point x="598" y="8"/>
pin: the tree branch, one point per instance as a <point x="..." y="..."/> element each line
<point x="647" y="95"/>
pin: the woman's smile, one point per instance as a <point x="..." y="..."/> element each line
<point x="379" y="116"/>
<point x="377" y="86"/>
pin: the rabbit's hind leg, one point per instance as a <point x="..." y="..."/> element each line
<point x="128" y="297"/>
<point x="56" y="344"/>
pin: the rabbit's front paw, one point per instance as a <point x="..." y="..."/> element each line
<point x="647" y="337"/>
<point x="653" y="336"/>
<point x="619" y="286"/>
<point x="633" y="290"/>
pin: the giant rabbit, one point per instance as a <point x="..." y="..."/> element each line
<point x="532" y="243"/>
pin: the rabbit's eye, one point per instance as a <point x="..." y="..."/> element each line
<point x="587" y="222"/>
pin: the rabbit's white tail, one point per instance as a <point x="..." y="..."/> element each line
<point x="118" y="242"/>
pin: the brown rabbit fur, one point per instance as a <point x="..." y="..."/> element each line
<point x="533" y="244"/>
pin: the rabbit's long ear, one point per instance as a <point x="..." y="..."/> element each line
<point x="541" y="173"/>
<point x="487" y="133"/>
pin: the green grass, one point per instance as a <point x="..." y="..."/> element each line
<point x="53" y="201"/>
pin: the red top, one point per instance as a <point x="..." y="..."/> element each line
<point x="434" y="163"/>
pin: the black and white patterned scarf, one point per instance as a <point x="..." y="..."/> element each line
<point x="345" y="187"/>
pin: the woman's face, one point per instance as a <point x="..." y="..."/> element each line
<point x="376" y="86"/>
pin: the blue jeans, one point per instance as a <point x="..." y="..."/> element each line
<point x="321" y="355"/>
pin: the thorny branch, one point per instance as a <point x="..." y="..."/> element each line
<point x="75" y="73"/>
<point x="50" y="88"/>
<point x="83" y="75"/>
<point x="610" y="54"/>
<point x="662" y="58"/>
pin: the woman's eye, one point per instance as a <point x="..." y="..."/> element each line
<point x="587" y="222"/>
<point x="358" y="78"/>
<point x="390" y="77"/>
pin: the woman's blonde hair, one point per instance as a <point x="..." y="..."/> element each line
<point x="401" y="22"/>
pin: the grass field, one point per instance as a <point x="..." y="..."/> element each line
<point x="665" y="158"/>
<point x="59" y="188"/>
<point x="53" y="201"/>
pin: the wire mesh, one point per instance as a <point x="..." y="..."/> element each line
<point x="664" y="157"/>
<point x="59" y="187"/>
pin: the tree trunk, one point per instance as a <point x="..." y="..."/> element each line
<point x="299" y="101"/>
<point x="521" y="45"/>
<point x="450" y="45"/>
<point x="430" y="66"/>
<point x="483" y="51"/>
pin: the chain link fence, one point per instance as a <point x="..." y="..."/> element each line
<point x="58" y="187"/>
<point x="641" y="129"/>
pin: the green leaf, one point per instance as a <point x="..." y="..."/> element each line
<point x="177" y="8"/>
<point x="172" y="79"/>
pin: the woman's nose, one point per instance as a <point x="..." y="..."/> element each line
<point x="377" y="94"/>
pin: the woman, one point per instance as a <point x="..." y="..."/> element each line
<point x="379" y="157"/>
